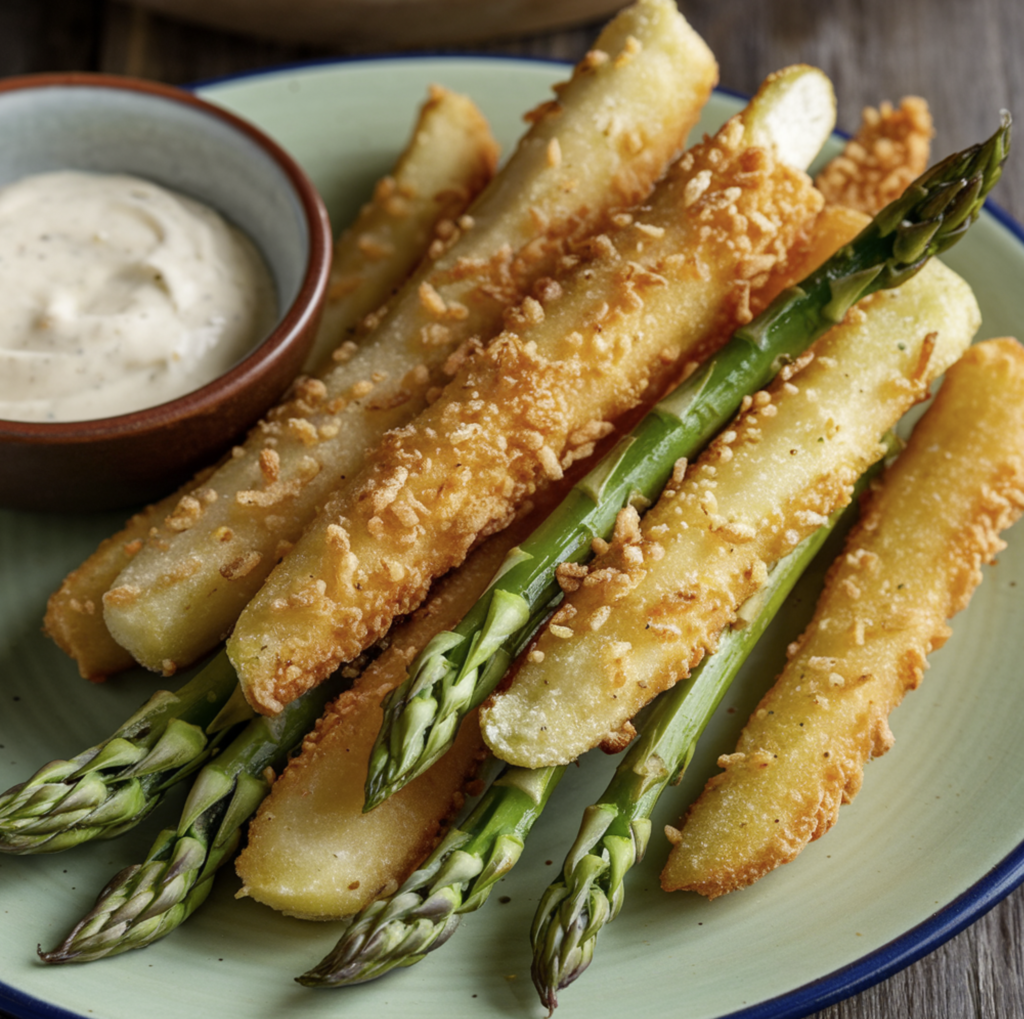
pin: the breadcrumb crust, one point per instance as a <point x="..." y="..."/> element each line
<point x="638" y="304"/>
<point x="790" y="459"/>
<point x="889" y="151"/>
<point x="910" y="564"/>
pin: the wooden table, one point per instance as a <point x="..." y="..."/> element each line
<point x="964" y="57"/>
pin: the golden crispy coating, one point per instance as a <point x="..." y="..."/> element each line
<point x="449" y="159"/>
<point x="911" y="563"/>
<point x="889" y="151"/>
<point x="654" y="603"/>
<point x="616" y="124"/>
<point x="312" y="852"/>
<point x="714" y="234"/>
<point x="74" y="612"/>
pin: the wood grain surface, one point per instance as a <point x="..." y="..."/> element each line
<point x="964" y="57"/>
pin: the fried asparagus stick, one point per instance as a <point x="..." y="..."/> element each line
<point x="457" y="877"/>
<point x="458" y="670"/>
<point x="447" y="162"/>
<point x="449" y="159"/>
<point x="312" y="851"/>
<point x="888" y="152"/>
<point x="74" y="612"/>
<point x="715" y="233"/>
<point x="652" y="605"/>
<point x="912" y="563"/>
<point x="597" y="148"/>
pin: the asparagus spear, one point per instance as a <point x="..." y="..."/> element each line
<point x="145" y="902"/>
<point x="456" y="878"/>
<point x="615" y="830"/>
<point x="110" y="787"/>
<point x="459" y="668"/>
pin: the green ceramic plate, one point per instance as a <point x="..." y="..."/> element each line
<point x="932" y="839"/>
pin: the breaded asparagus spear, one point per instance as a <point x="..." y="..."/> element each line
<point x="911" y="563"/>
<point x="716" y="233"/>
<point x="596" y="149"/>
<point x="447" y="162"/>
<point x="457" y="877"/>
<point x="652" y="606"/>
<point x="452" y="675"/>
<point x="450" y="158"/>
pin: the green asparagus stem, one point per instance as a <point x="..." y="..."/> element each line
<point x="455" y="879"/>
<point x="615" y="831"/>
<point x="145" y="902"/>
<point x="459" y="668"/>
<point x="110" y="787"/>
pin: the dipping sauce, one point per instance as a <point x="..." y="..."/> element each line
<point x="118" y="294"/>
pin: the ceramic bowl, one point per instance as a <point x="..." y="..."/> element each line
<point x="103" y="123"/>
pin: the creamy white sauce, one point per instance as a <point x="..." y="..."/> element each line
<point x="117" y="294"/>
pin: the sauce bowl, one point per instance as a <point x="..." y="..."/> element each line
<point x="108" y="124"/>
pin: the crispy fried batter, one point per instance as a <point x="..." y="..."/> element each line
<point x="911" y="563"/>
<point x="714" y="239"/>
<point x="889" y="151"/>
<point x="617" y="125"/>
<point x="312" y="852"/>
<point x="74" y="612"/>
<point x="650" y="609"/>
<point x="448" y="161"/>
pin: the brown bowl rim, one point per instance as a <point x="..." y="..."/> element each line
<point x="298" y="317"/>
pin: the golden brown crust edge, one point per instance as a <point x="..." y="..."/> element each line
<point x="891" y="149"/>
<point x="312" y="852"/>
<point x="802" y="753"/>
<point x="520" y="408"/>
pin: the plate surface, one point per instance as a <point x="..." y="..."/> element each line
<point x="933" y="838"/>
